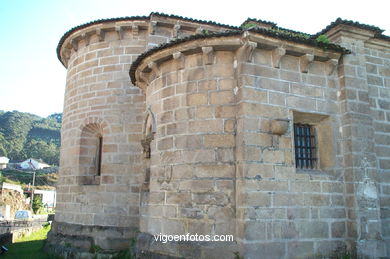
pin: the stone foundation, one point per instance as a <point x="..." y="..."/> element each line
<point x="148" y="248"/>
<point x="78" y="241"/>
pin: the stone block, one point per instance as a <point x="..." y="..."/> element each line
<point x="217" y="171"/>
<point x="207" y="126"/>
<point x="313" y="229"/>
<point x="272" y="250"/>
<point x="219" y="141"/>
<point x="197" y="99"/>
<point x="188" y="141"/>
<point x="221" y="97"/>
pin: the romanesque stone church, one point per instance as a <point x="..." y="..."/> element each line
<point x="176" y="126"/>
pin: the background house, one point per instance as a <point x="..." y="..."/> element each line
<point x="3" y="162"/>
<point x="33" y="164"/>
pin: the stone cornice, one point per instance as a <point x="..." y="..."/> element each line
<point x="71" y="38"/>
<point x="243" y="43"/>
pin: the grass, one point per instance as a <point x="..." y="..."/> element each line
<point x="29" y="247"/>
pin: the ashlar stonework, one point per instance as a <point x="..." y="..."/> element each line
<point x="174" y="126"/>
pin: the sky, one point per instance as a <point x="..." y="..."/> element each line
<point x="33" y="80"/>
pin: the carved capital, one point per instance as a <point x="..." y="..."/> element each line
<point x="305" y="61"/>
<point x="277" y="55"/>
<point x="146" y="144"/>
<point x="208" y="55"/>
<point x="180" y="59"/>
<point x="100" y="34"/>
<point x="331" y="66"/>
<point x="245" y="52"/>
<point x="152" y="27"/>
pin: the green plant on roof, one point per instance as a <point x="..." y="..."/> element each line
<point x="323" y="38"/>
<point x="248" y="26"/>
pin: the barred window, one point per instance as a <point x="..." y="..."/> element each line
<point x="305" y="146"/>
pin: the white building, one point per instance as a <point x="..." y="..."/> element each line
<point x="3" y="162"/>
<point x="48" y="197"/>
<point x="33" y="164"/>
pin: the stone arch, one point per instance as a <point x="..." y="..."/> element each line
<point x="92" y="135"/>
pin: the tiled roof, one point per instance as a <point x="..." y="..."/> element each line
<point x="378" y="31"/>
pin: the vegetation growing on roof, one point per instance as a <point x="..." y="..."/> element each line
<point x="323" y="38"/>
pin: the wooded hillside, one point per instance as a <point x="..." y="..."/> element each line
<point x="24" y="135"/>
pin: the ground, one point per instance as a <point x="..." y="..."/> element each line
<point x="30" y="247"/>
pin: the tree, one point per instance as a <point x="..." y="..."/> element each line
<point x="37" y="205"/>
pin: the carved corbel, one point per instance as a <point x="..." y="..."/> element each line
<point x="86" y="38"/>
<point x="175" y="31"/>
<point x="208" y="55"/>
<point x="245" y="52"/>
<point x="143" y="77"/>
<point x="120" y="32"/>
<point x="305" y="61"/>
<point x="135" y="29"/>
<point x="331" y="66"/>
<point x="277" y="55"/>
<point x="152" y="27"/>
<point x="154" y="67"/>
<point x="100" y="34"/>
<point x="180" y="59"/>
<point x="74" y="44"/>
<point x="66" y="53"/>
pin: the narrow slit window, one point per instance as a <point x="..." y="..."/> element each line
<point x="99" y="155"/>
<point x="305" y="146"/>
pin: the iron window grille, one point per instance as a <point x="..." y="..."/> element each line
<point x="305" y="146"/>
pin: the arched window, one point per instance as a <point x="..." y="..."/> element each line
<point x="91" y="151"/>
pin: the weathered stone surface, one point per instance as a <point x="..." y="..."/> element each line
<point x="218" y="115"/>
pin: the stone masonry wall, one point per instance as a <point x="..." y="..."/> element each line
<point x="100" y="100"/>
<point x="283" y="212"/>
<point x="98" y="92"/>
<point x="204" y="144"/>
<point x="192" y="168"/>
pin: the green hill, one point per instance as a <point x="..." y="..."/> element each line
<point x="24" y="135"/>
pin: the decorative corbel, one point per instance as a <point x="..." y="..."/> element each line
<point x="277" y="55"/>
<point x="154" y="67"/>
<point x="331" y="66"/>
<point x="135" y="29"/>
<point x="152" y="27"/>
<point x="74" y="44"/>
<point x="175" y="31"/>
<point x="86" y="38"/>
<point x="279" y="126"/>
<point x="66" y="53"/>
<point x="100" y="34"/>
<point x="208" y="55"/>
<point x="245" y="52"/>
<point x="180" y="59"/>
<point x="120" y="31"/>
<point x="143" y="77"/>
<point x="305" y="61"/>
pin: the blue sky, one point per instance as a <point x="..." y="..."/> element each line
<point x="33" y="80"/>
